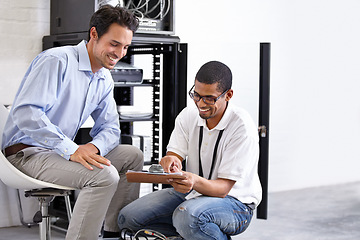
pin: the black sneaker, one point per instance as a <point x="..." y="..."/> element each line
<point x="107" y="234"/>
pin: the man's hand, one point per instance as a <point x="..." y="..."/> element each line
<point x="215" y="188"/>
<point x="170" y="161"/>
<point x="87" y="154"/>
<point x="183" y="185"/>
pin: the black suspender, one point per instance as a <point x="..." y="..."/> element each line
<point x="214" y="154"/>
<point x="200" y="141"/>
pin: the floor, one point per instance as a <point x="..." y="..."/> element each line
<point x="324" y="213"/>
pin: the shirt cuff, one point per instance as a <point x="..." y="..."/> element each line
<point x="100" y="146"/>
<point x="66" y="148"/>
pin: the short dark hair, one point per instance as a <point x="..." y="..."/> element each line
<point x="107" y="15"/>
<point x="215" y="72"/>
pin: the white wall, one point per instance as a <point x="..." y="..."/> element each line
<point x="23" y="23"/>
<point x="315" y="107"/>
<point x="314" y="79"/>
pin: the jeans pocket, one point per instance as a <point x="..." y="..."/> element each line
<point x="244" y="224"/>
<point x="244" y="216"/>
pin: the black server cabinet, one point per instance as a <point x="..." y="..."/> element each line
<point x="72" y="16"/>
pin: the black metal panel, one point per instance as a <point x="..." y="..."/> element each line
<point x="182" y="76"/>
<point x="264" y="111"/>
<point x="68" y="16"/>
<point x="174" y="88"/>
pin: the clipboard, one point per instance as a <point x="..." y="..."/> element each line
<point x="149" y="177"/>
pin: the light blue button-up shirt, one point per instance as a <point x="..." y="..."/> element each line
<point x="56" y="96"/>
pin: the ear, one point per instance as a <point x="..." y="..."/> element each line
<point x="93" y="33"/>
<point x="229" y="95"/>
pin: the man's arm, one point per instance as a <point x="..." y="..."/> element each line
<point x="220" y="187"/>
<point x="106" y="130"/>
<point x="105" y="134"/>
<point x="214" y="188"/>
<point x="36" y="95"/>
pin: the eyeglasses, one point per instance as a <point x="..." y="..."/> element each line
<point x="208" y="100"/>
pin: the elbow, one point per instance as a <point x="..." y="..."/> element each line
<point x="223" y="195"/>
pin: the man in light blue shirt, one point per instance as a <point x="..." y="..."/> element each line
<point x="60" y="90"/>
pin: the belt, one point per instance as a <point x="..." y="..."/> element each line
<point x="15" y="148"/>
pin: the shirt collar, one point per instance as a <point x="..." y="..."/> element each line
<point x="84" y="60"/>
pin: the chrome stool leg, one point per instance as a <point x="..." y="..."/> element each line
<point x="45" y="196"/>
<point x="44" y="226"/>
<point x="68" y="207"/>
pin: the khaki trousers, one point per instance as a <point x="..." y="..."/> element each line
<point x="103" y="192"/>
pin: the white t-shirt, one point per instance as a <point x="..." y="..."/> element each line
<point x="237" y="153"/>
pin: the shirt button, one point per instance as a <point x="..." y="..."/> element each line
<point x="45" y="141"/>
<point x="62" y="155"/>
<point x="65" y="150"/>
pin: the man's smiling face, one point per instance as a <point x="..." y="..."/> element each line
<point x="110" y="47"/>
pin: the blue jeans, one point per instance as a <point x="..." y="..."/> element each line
<point x="168" y="212"/>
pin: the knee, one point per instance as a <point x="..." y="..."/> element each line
<point x="126" y="218"/>
<point x="137" y="154"/>
<point x="122" y="218"/>
<point x="182" y="219"/>
<point x="126" y="157"/>
<point x="108" y="177"/>
<point x="189" y="218"/>
<point x="137" y="157"/>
